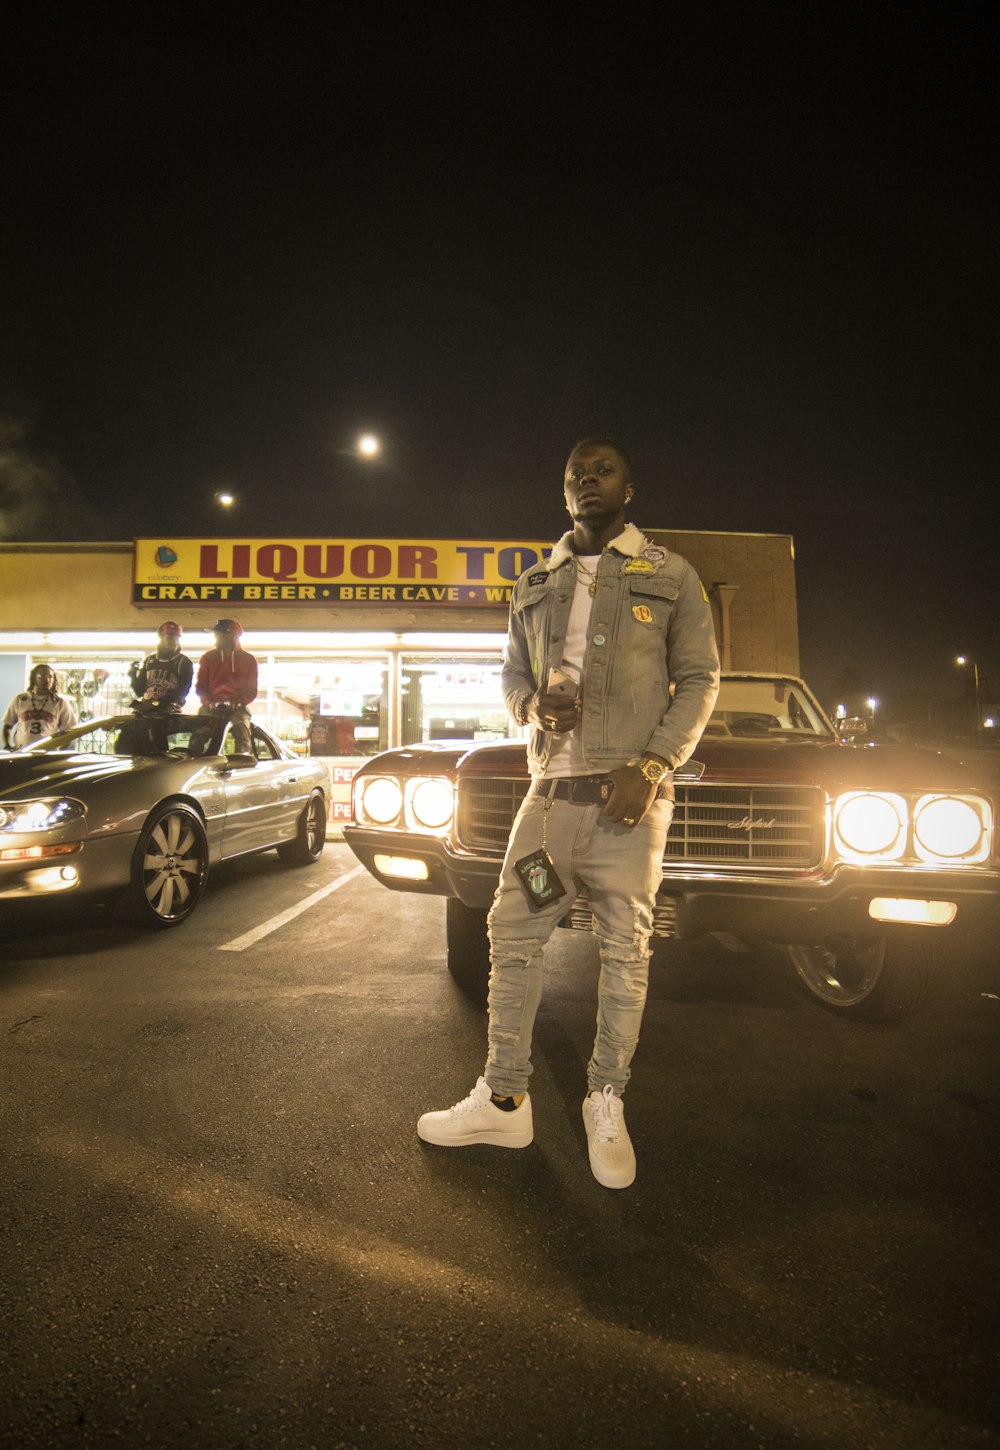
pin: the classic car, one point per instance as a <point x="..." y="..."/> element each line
<point x="855" y="864"/>
<point x="145" y="805"/>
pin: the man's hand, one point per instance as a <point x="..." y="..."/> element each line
<point x="555" y="714"/>
<point x="632" y="795"/>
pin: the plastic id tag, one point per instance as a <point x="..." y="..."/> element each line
<point x="537" y="875"/>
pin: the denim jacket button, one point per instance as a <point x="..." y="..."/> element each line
<point x="598" y="639"/>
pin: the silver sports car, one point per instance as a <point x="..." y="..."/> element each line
<point x="146" y="805"/>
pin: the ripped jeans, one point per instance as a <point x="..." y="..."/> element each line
<point x="622" y="869"/>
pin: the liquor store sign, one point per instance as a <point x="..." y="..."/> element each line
<point x="334" y="571"/>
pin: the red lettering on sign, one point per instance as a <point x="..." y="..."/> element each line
<point x="209" y="565"/>
<point x="371" y="561"/>
<point x="417" y="557"/>
<point x="318" y="566"/>
<point x="276" y="561"/>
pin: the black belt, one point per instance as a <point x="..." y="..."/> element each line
<point x="580" y="790"/>
<point x="586" y="790"/>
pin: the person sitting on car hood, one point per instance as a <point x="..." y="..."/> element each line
<point x="227" y="681"/>
<point x="164" y="678"/>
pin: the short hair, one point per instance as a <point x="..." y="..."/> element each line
<point x="605" y="440"/>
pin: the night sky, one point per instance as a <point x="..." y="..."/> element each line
<point x="757" y="243"/>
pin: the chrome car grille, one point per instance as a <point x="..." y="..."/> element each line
<point x="747" y="825"/>
<point x="716" y="826"/>
<point x="486" y="811"/>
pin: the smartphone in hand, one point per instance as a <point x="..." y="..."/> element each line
<point x="560" y="683"/>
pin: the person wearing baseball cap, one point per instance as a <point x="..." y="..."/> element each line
<point x="227" y="681"/>
<point x="163" y="680"/>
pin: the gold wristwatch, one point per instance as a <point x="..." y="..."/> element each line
<point x="652" y="770"/>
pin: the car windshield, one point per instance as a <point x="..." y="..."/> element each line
<point x="776" y="708"/>
<point x="188" y="735"/>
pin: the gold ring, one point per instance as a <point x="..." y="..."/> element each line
<point x="550" y="722"/>
<point x="628" y="820"/>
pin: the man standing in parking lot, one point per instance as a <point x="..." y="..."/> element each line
<point x="611" y="658"/>
<point x="227" y="681"/>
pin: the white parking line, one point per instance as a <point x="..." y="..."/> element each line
<point x="239" y="943"/>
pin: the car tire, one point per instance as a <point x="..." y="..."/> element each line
<point x="468" y="943"/>
<point x="310" y="838"/>
<point x="169" y="866"/>
<point x="870" y="979"/>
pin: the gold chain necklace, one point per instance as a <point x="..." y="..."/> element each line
<point x="583" y="572"/>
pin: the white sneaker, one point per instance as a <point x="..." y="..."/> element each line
<point x="612" y="1157"/>
<point x="477" y="1120"/>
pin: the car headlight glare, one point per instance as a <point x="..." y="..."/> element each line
<point x="869" y="825"/>
<point x="432" y="803"/>
<point x="40" y="815"/>
<point x="951" y="828"/>
<point x="381" y="799"/>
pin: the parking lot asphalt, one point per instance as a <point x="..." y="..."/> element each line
<point x="220" y="1228"/>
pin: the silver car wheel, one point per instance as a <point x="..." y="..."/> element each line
<point x="310" y="837"/>
<point x="170" y="866"/>
<point x="840" y="973"/>
<point x="874" y="979"/>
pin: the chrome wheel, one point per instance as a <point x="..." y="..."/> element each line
<point x="170" y="866"/>
<point x="310" y="838"/>
<point x="842" y="971"/>
<point x="875" y="979"/>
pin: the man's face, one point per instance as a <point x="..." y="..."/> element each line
<point x="225" y="639"/>
<point x="44" y="680"/>
<point x="596" y="483"/>
<point x="169" y="644"/>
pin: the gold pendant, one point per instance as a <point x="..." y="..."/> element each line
<point x="593" y="587"/>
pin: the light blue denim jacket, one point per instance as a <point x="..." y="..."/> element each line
<point x="651" y="669"/>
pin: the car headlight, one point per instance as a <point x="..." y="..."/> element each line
<point x="870" y="826"/>
<point x="381" y="799"/>
<point x="432" y="803"/>
<point x="40" y="815"/>
<point x="950" y="828"/>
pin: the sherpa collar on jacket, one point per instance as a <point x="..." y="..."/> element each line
<point x="630" y="541"/>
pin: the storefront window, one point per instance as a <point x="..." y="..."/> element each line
<point x="452" y="698"/>
<point x="325" y="707"/>
<point x="92" y="688"/>
<point x="346" y="706"/>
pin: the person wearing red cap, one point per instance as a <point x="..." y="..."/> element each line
<point x="163" y="680"/>
<point x="227" y="681"/>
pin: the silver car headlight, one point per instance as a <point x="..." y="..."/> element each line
<point x="380" y="799"/>
<point x="431" y="802"/>
<point x="870" y="826"/>
<point x="46" y="814"/>
<point x="952" y="829"/>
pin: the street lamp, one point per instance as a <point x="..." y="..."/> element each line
<point x="872" y="702"/>
<point x="966" y="663"/>
<point x="369" y="445"/>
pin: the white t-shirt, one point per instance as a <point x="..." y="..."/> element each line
<point x="30" y="716"/>
<point x="566" y="757"/>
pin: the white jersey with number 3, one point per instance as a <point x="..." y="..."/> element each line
<point x="30" y="716"/>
